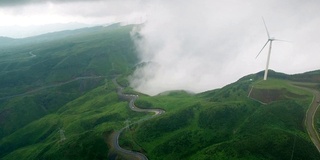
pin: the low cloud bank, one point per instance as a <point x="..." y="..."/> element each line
<point x="202" y="45"/>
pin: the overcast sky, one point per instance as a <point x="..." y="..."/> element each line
<point x="34" y="16"/>
<point x="195" y="45"/>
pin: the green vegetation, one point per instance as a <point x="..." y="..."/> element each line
<point x="48" y="81"/>
<point x="279" y="89"/>
<point x="226" y="124"/>
<point x="62" y="83"/>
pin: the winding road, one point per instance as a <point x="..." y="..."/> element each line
<point x="115" y="136"/>
<point x="309" y="118"/>
<point x="309" y="121"/>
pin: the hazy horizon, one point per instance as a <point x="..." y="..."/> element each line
<point x="18" y="32"/>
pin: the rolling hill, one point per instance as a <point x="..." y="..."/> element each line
<point x="57" y="101"/>
<point x="227" y="124"/>
<point x="39" y="77"/>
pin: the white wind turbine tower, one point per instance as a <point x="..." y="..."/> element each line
<point x="270" y="39"/>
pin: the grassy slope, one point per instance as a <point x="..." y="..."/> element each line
<point x="277" y="89"/>
<point x="95" y="53"/>
<point x="85" y="120"/>
<point x="225" y="124"/>
<point x="86" y="109"/>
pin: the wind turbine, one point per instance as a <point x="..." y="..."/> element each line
<point x="270" y="39"/>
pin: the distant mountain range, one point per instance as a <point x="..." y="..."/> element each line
<point x="29" y="31"/>
<point x="51" y="36"/>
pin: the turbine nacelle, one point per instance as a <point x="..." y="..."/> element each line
<point x="272" y="39"/>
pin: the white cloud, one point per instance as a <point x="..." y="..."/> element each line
<point x="202" y="45"/>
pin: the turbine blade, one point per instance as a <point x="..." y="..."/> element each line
<point x="266" y="28"/>
<point x="281" y="40"/>
<point x="262" y="49"/>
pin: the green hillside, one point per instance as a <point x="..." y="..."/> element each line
<point x="227" y="124"/>
<point x="63" y="82"/>
<point x="58" y="101"/>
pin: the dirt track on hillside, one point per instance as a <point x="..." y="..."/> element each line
<point x="114" y="138"/>
<point x="309" y="118"/>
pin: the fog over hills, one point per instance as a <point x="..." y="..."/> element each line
<point x="67" y="95"/>
<point x="166" y="80"/>
<point x="195" y="44"/>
